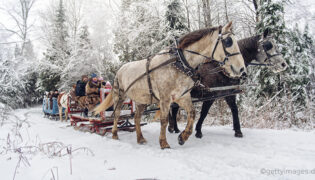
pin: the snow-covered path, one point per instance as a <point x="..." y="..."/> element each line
<point x="218" y="155"/>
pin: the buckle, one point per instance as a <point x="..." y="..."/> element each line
<point x="189" y="73"/>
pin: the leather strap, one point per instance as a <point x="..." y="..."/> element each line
<point x="149" y="80"/>
<point x="169" y="61"/>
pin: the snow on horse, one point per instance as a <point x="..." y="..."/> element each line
<point x="158" y="80"/>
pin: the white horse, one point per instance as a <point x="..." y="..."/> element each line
<point x="167" y="84"/>
<point x="63" y="101"/>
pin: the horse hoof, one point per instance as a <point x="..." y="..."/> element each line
<point x="115" y="137"/>
<point x="171" y="130"/>
<point x="181" y="141"/>
<point x="142" y="141"/>
<point x="177" y="130"/>
<point x="238" y="134"/>
<point x="166" y="147"/>
<point x="198" y="135"/>
<point x="164" y="144"/>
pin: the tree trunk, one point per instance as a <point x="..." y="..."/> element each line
<point x="207" y="13"/>
<point x="226" y="12"/>
<point x="187" y="13"/>
<point x="199" y="16"/>
<point x="256" y="10"/>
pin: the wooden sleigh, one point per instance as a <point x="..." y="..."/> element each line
<point x="104" y="122"/>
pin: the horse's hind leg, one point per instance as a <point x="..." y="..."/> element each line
<point x="66" y="114"/>
<point x="118" y="102"/>
<point x="172" y="119"/>
<point x="60" y="113"/>
<point x="140" y="108"/>
<point x="186" y="103"/>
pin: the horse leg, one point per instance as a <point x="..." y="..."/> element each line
<point x="164" y="107"/>
<point x="139" y="110"/>
<point x="172" y="120"/>
<point x="66" y="114"/>
<point x="231" y="101"/>
<point x="203" y="114"/>
<point x="174" y="117"/>
<point x="186" y="103"/>
<point x="60" y="113"/>
<point x="118" y="102"/>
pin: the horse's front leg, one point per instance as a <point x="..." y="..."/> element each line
<point x="164" y="107"/>
<point x="231" y="101"/>
<point x="206" y="105"/>
<point x="139" y="110"/>
<point x="186" y="103"/>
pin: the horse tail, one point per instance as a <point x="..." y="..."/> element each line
<point x="108" y="102"/>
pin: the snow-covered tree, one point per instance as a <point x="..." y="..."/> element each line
<point x="176" y="23"/>
<point x="138" y="33"/>
<point x="57" y="53"/>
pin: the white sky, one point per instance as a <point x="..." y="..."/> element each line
<point x="97" y="14"/>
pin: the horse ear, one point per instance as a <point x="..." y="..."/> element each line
<point x="267" y="32"/>
<point x="227" y="27"/>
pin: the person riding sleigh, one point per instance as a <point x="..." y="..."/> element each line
<point x="92" y="91"/>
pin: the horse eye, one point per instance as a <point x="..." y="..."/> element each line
<point x="228" y="42"/>
<point x="267" y="45"/>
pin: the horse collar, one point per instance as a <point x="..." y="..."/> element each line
<point x="182" y="64"/>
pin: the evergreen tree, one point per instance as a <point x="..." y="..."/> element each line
<point x="296" y="48"/>
<point x="57" y="54"/>
<point x="122" y="45"/>
<point x="175" y="17"/>
<point x="271" y="16"/>
<point x="138" y="33"/>
<point x="176" y="23"/>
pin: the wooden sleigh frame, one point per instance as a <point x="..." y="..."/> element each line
<point x="102" y="124"/>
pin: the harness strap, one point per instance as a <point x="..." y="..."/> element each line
<point x="257" y="64"/>
<point x="173" y="59"/>
<point x="217" y="43"/>
<point x="149" y="80"/>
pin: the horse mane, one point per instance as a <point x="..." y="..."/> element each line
<point x="249" y="47"/>
<point x="194" y="36"/>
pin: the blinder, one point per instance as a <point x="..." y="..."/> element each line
<point x="227" y="42"/>
<point x="267" y="45"/>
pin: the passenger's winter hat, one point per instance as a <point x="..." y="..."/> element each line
<point x="100" y="78"/>
<point x="93" y="75"/>
<point x="84" y="76"/>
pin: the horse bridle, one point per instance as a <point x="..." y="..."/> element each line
<point x="227" y="54"/>
<point x="265" y="48"/>
<point x="220" y="39"/>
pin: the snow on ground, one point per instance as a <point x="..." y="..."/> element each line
<point x="261" y="154"/>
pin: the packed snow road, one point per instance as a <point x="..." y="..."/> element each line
<point x="261" y="154"/>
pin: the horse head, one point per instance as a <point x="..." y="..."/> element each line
<point x="215" y="44"/>
<point x="269" y="54"/>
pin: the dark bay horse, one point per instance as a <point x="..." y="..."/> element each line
<point x="261" y="48"/>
